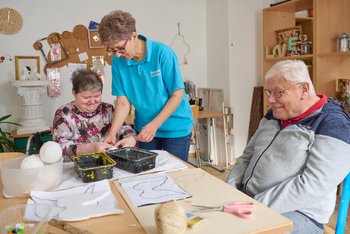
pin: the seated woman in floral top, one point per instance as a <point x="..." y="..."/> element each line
<point x="81" y="125"/>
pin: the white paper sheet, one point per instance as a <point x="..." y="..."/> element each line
<point x="164" y="162"/>
<point x="79" y="203"/>
<point x="152" y="189"/>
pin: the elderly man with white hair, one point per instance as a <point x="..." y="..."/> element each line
<point x="299" y="153"/>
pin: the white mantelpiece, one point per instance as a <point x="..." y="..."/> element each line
<point x="32" y="120"/>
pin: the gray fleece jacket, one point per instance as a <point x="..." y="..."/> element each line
<point x="297" y="168"/>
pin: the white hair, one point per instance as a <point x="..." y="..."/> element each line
<point x="291" y="70"/>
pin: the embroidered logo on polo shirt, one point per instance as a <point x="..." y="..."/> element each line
<point x="155" y="73"/>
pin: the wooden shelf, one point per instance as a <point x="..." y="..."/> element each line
<point x="300" y="20"/>
<point x="292" y="6"/>
<point x="301" y="57"/>
<point x="329" y="19"/>
<point x="334" y="54"/>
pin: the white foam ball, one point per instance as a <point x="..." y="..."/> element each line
<point x="32" y="161"/>
<point x="50" y="152"/>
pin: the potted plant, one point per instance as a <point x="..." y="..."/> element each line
<point x="6" y="144"/>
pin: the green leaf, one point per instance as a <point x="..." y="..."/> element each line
<point x="11" y="123"/>
<point x="10" y="146"/>
<point x="5" y="143"/>
<point x="4" y="117"/>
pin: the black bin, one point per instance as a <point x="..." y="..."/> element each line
<point x="93" y="167"/>
<point x="133" y="160"/>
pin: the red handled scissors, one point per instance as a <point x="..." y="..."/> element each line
<point x="240" y="208"/>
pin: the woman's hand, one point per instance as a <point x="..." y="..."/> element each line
<point x="126" y="142"/>
<point x="94" y="147"/>
<point x="101" y="147"/>
<point x="110" y="139"/>
<point x="147" y="133"/>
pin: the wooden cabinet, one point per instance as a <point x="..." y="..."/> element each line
<point x="323" y="21"/>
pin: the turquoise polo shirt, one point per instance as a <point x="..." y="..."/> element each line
<point x="149" y="84"/>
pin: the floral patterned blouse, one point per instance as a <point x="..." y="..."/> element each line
<point x="72" y="127"/>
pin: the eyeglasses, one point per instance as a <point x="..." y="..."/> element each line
<point x="119" y="50"/>
<point x="278" y="93"/>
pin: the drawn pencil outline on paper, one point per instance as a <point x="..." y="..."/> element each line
<point x="157" y="188"/>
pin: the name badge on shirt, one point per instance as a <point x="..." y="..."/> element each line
<point x="155" y="73"/>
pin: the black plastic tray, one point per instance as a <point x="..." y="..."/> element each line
<point x="93" y="167"/>
<point x="133" y="160"/>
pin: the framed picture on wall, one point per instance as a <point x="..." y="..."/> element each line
<point x="27" y="67"/>
<point x="94" y="39"/>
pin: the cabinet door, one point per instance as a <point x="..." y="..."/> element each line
<point x="332" y="19"/>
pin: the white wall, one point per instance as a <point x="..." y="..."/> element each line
<point x="245" y="23"/>
<point x="218" y="47"/>
<point x="156" y="19"/>
<point x="225" y="39"/>
<point x="234" y="57"/>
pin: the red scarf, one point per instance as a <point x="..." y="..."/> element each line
<point x="316" y="106"/>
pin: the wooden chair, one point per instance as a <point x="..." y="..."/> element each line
<point x="343" y="206"/>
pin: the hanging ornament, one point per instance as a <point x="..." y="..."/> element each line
<point x="182" y="38"/>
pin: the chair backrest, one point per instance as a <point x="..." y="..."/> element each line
<point x="343" y="206"/>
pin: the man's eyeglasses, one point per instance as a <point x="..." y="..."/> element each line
<point x="120" y="50"/>
<point x="278" y="93"/>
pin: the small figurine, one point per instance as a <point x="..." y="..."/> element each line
<point x="346" y="93"/>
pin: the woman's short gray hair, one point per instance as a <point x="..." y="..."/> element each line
<point x="291" y="70"/>
<point x="86" y="79"/>
<point x="116" y="26"/>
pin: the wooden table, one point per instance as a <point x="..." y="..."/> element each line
<point x="209" y="114"/>
<point x="265" y="221"/>
<point x="211" y="191"/>
<point x="125" y="223"/>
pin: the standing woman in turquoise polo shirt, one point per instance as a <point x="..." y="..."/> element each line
<point x="146" y="74"/>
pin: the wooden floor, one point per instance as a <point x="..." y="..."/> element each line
<point x="329" y="228"/>
<point x="216" y="173"/>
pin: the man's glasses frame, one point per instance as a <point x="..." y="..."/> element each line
<point x="278" y="93"/>
<point x="120" y="50"/>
